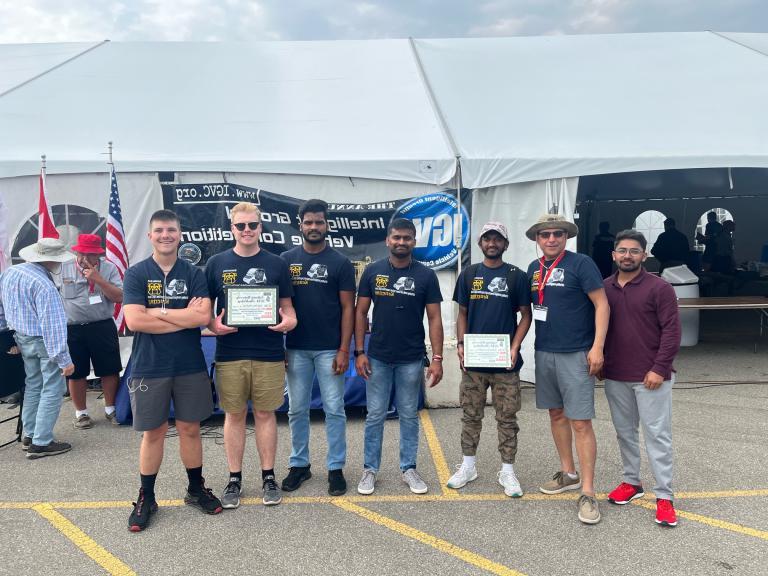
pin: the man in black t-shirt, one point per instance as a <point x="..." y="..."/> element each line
<point x="250" y="360"/>
<point x="489" y="296"/>
<point x="165" y="302"/>
<point x="400" y="289"/>
<point x="324" y="297"/>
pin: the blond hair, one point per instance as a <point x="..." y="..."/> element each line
<point x="245" y="207"/>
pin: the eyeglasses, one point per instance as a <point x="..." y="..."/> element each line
<point x="632" y="251"/>
<point x="251" y="225"/>
<point x="547" y="233"/>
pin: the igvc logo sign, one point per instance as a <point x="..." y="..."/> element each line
<point x="436" y="218"/>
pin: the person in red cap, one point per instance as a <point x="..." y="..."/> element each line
<point x="90" y="287"/>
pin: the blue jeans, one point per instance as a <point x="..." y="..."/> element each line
<point x="408" y="380"/>
<point x="44" y="391"/>
<point x="302" y="366"/>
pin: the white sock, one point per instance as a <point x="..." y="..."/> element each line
<point x="79" y="413"/>
<point x="572" y="475"/>
<point x="469" y="461"/>
<point x="507" y="467"/>
<point x="109" y="410"/>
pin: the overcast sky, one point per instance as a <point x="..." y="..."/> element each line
<point x="24" y="21"/>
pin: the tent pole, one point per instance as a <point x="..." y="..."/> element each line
<point x="458" y="233"/>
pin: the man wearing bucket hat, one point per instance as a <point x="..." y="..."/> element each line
<point x="32" y="306"/>
<point x="571" y="314"/>
<point x="90" y="287"/>
<point x="489" y="295"/>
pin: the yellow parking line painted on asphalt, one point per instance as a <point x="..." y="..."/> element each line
<point x="437" y="543"/>
<point x="443" y="473"/>
<point x="714" y="522"/>
<point x="721" y="494"/>
<point x="451" y="496"/>
<point x="110" y="563"/>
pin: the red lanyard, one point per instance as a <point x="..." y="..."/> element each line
<point x="542" y="278"/>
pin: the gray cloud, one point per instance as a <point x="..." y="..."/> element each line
<point x="242" y="20"/>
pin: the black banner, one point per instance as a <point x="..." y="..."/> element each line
<point x="357" y="230"/>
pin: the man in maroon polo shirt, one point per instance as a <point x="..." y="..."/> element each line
<point x="642" y="341"/>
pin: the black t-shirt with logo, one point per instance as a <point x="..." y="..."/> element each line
<point x="399" y="297"/>
<point x="177" y="353"/>
<point x="570" y="324"/>
<point x="491" y="304"/>
<point x="317" y="280"/>
<point x="263" y="269"/>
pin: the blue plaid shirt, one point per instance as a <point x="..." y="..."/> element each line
<point x="31" y="305"/>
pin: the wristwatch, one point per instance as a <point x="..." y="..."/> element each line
<point x="359" y="353"/>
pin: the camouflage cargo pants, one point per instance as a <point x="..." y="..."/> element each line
<point x="505" y="394"/>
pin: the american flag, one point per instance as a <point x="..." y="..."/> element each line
<point x="117" y="251"/>
<point x="45" y="225"/>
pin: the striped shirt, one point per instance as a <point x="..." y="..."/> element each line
<point x="31" y="305"/>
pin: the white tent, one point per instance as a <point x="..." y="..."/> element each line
<point x="526" y="117"/>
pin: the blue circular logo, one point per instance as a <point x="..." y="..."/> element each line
<point x="436" y="217"/>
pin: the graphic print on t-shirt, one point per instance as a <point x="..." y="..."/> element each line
<point x="557" y="278"/>
<point x="316" y="273"/>
<point x="255" y="276"/>
<point x="405" y="285"/>
<point x="176" y="287"/>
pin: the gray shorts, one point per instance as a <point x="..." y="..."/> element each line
<point x="151" y="399"/>
<point x="563" y="381"/>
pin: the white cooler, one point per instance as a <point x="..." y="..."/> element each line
<point x="686" y="285"/>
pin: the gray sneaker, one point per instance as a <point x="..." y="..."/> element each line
<point x="272" y="495"/>
<point x="367" y="482"/>
<point x="83" y="422"/>
<point x="414" y="481"/>
<point x="560" y="483"/>
<point x="231" y="496"/>
<point x="112" y="418"/>
<point x="34" y="451"/>
<point x="589" y="511"/>
<point x="26" y="442"/>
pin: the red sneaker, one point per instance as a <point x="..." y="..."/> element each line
<point x="624" y="493"/>
<point x="665" y="512"/>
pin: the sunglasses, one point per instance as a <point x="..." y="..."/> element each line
<point x="547" y="233"/>
<point x="251" y="225"/>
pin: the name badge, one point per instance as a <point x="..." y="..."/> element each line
<point x="540" y="313"/>
<point x="94" y="299"/>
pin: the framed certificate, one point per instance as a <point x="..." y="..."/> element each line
<point x="251" y="306"/>
<point x="487" y="351"/>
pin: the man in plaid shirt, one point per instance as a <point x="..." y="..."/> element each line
<point x="31" y="305"/>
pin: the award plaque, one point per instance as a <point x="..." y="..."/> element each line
<point x="487" y="351"/>
<point x="251" y="306"/>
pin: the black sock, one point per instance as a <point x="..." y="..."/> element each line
<point x="195" y="476"/>
<point x="265" y="473"/>
<point x="238" y="476"/>
<point x="148" y="485"/>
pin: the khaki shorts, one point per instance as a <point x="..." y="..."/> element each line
<point x="263" y="383"/>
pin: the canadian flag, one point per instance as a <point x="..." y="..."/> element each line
<point x="45" y="227"/>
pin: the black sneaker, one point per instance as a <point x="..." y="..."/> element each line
<point x="142" y="512"/>
<point x="297" y="475"/>
<point x="34" y="451"/>
<point x="337" y="485"/>
<point x="26" y="442"/>
<point x="204" y="500"/>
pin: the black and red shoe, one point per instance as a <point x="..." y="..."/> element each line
<point x="203" y="499"/>
<point x="624" y="493"/>
<point x="143" y="509"/>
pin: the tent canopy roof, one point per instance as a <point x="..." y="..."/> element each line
<point x="513" y="109"/>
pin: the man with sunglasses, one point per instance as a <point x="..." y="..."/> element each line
<point x="571" y="314"/>
<point x="643" y="340"/>
<point x="324" y="296"/>
<point x="250" y="361"/>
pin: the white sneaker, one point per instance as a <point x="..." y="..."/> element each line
<point x="367" y="482"/>
<point x="462" y="476"/>
<point x="511" y="484"/>
<point x="414" y="481"/>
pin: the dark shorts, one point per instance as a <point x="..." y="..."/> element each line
<point x="94" y="343"/>
<point x="192" y="397"/>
